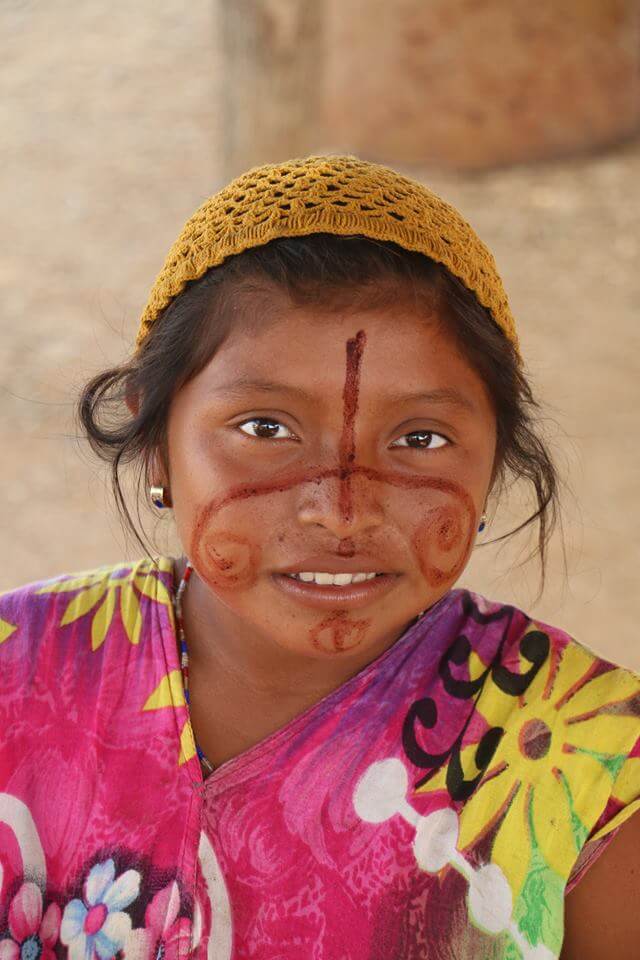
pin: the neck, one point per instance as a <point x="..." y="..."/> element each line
<point x="221" y="645"/>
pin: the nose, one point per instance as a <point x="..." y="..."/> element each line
<point x="346" y="505"/>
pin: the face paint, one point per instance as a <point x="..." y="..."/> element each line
<point x="336" y="633"/>
<point x="355" y="348"/>
<point x="449" y="527"/>
<point x="447" y="530"/>
<point x="441" y="541"/>
<point x="231" y="561"/>
<point x="346" y="548"/>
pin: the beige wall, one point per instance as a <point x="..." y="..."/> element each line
<point x="112" y="137"/>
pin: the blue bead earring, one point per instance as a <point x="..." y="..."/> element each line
<point x="157" y="495"/>
<point x="483" y="523"/>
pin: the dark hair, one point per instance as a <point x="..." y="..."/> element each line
<point x="320" y="268"/>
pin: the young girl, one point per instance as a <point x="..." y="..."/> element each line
<point x="299" y="739"/>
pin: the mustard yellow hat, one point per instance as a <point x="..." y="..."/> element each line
<point x="327" y="194"/>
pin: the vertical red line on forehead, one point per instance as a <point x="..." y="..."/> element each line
<point x="355" y="349"/>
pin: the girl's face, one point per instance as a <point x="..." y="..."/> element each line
<point x="324" y="441"/>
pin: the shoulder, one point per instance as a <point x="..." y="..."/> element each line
<point x="88" y="604"/>
<point x="513" y="662"/>
<point x="538" y="672"/>
<point x="541" y="759"/>
<point x="562" y="725"/>
<point x="601" y="916"/>
<point x="520" y="647"/>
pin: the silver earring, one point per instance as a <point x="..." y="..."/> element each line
<point x="157" y="495"/>
<point x="483" y="522"/>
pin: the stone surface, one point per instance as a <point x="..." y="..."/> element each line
<point x="471" y="85"/>
<point x="457" y="83"/>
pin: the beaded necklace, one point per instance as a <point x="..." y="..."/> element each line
<point x="184" y="657"/>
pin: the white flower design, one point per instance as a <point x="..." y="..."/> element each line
<point x="98" y="926"/>
<point x="381" y="793"/>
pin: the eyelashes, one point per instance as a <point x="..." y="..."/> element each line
<point x="430" y="439"/>
<point x="430" y="434"/>
<point x="263" y="420"/>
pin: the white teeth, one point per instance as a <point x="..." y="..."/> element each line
<point x="324" y="578"/>
<point x="333" y="579"/>
<point x="342" y="579"/>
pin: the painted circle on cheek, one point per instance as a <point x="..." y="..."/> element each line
<point x="336" y="633"/>
<point x="227" y="560"/>
<point x="443" y="540"/>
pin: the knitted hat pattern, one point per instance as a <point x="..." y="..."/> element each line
<point x="341" y="195"/>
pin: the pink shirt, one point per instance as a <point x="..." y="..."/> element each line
<point x="439" y="804"/>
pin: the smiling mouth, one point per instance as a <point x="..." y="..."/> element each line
<point x="333" y="579"/>
<point x="327" y="595"/>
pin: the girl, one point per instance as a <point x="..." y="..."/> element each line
<point x="299" y="739"/>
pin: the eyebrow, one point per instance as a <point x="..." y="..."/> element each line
<point x="240" y="386"/>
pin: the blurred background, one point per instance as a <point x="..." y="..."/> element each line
<point x="119" y="119"/>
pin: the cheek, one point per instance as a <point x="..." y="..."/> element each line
<point x="224" y="537"/>
<point x="226" y="558"/>
<point x="443" y="538"/>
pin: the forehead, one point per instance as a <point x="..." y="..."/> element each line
<point x="407" y="343"/>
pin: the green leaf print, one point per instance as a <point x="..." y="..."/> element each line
<point x="539" y="910"/>
<point x="580" y="832"/>
<point x="511" y="952"/>
<point x="612" y="762"/>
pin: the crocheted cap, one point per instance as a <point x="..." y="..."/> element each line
<point x="328" y="194"/>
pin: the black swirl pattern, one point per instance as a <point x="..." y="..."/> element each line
<point x="534" y="647"/>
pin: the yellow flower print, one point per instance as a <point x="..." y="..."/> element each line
<point x="170" y="693"/>
<point x="6" y="629"/>
<point x="99" y="591"/>
<point x="564" y="741"/>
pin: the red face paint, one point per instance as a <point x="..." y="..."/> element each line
<point x="441" y="541"/>
<point x="336" y="633"/>
<point x="346" y="548"/>
<point x="444" y="538"/>
<point x="350" y="393"/>
<point x="450" y="525"/>
<point x="231" y="561"/>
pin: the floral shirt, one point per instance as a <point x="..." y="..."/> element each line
<point x="438" y="804"/>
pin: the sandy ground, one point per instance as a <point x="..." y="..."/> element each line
<point x="111" y="139"/>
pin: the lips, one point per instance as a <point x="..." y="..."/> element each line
<point x="328" y="596"/>
<point x="330" y="563"/>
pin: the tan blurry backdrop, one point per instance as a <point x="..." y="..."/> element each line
<point x="111" y="138"/>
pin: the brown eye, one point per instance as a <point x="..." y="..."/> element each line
<point x="266" y="429"/>
<point x="425" y="440"/>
